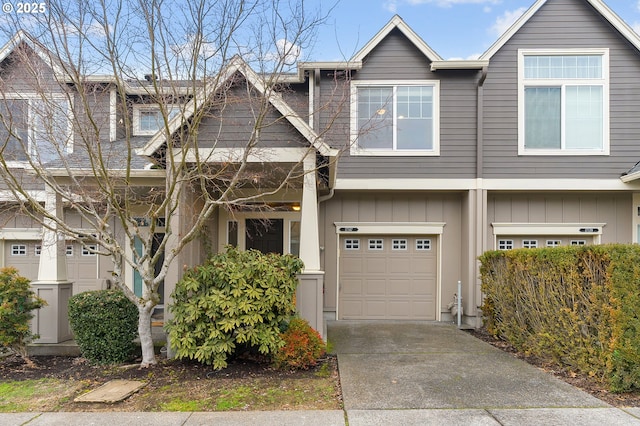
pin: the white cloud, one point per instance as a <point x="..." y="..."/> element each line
<point x="471" y="57"/>
<point x="507" y="19"/>
<point x="286" y="52"/>
<point x="186" y="50"/>
<point x="636" y="27"/>
<point x="391" y="6"/>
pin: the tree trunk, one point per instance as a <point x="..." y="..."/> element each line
<point x="144" y="330"/>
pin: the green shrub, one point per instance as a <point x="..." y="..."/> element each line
<point x="237" y="298"/>
<point x="576" y="306"/>
<point x="105" y="323"/>
<point x="302" y="348"/>
<point x="17" y="302"/>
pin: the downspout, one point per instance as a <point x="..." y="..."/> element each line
<point x="480" y="208"/>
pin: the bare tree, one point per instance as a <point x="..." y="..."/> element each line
<point x="142" y="183"/>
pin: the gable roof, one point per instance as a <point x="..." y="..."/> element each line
<point x="632" y="174"/>
<point x="22" y="37"/>
<point x="237" y="65"/>
<point x="598" y="5"/>
<point x="396" y="22"/>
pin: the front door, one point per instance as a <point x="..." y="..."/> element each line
<point x="265" y="235"/>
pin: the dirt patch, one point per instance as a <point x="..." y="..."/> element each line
<point x="581" y="381"/>
<point x="174" y="385"/>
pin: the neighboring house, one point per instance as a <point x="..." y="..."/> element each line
<point x="535" y="144"/>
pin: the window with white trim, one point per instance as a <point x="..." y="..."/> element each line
<point x="352" y="244"/>
<point x="401" y="119"/>
<point x="423" y="244"/>
<point x="530" y="243"/>
<point x="563" y="102"/>
<point x="35" y="126"/>
<point x="505" y="244"/>
<point x="553" y="243"/>
<point x="69" y="250"/>
<point x="399" y="244"/>
<point x="148" y="118"/>
<point x="578" y="242"/>
<point x="18" y="250"/>
<point x="375" y="244"/>
<point x="89" y="250"/>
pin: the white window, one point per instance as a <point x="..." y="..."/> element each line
<point x="89" y="250"/>
<point x="563" y="102"/>
<point x="69" y="250"/>
<point x="578" y="242"/>
<point x="399" y="244"/>
<point x="530" y="243"/>
<point x="391" y="119"/>
<point x="423" y="245"/>
<point x="18" y="250"/>
<point x="352" y="244"/>
<point x="148" y="118"/>
<point x="376" y="245"/>
<point x="35" y="126"/>
<point x="505" y="244"/>
<point x="554" y="243"/>
<point x="38" y="250"/>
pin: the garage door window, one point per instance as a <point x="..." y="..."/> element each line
<point x="400" y="244"/>
<point x="38" y="250"/>
<point x="18" y="250"/>
<point x="578" y="242"/>
<point x="505" y="244"/>
<point x="423" y="245"/>
<point x="376" y="245"/>
<point x="530" y="243"/>
<point x="554" y="243"/>
<point x="352" y="244"/>
<point x="69" y="250"/>
<point x="89" y="250"/>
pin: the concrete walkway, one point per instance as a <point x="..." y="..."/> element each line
<point x="405" y="373"/>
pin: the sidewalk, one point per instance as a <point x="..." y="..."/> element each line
<point x="405" y="373"/>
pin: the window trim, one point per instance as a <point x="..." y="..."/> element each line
<point x="604" y="82"/>
<point x="355" y="150"/>
<point x="29" y="96"/>
<point x="139" y="108"/>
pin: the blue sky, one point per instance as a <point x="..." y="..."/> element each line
<point x="455" y="29"/>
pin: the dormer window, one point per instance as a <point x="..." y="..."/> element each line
<point x="34" y="127"/>
<point x="147" y="119"/>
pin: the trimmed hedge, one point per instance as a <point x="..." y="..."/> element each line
<point x="105" y="324"/>
<point x="237" y="299"/>
<point x="576" y="306"/>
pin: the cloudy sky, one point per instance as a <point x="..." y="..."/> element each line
<point x="461" y="29"/>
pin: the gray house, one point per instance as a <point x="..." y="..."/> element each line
<point x="429" y="163"/>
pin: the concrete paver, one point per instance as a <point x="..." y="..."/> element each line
<point x="112" y="391"/>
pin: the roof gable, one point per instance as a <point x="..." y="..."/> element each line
<point x="397" y="22"/>
<point x="22" y="37"/>
<point x="237" y="65"/>
<point x="621" y="26"/>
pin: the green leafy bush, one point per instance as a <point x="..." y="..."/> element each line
<point x="237" y="298"/>
<point x="302" y="348"/>
<point x="17" y="302"/>
<point x="105" y="324"/>
<point x="576" y="306"/>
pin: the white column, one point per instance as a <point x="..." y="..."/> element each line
<point x="51" y="322"/>
<point x="309" y="233"/>
<point x="53" y="259"/>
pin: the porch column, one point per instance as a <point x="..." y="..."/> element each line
<point x="51" y="322"/>
<point x="309" y="294"/>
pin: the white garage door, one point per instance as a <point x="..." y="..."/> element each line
<point x="388" y="277"/>
<point x="81" y="264"/>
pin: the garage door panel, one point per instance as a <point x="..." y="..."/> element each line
<point x="397" y="282"/>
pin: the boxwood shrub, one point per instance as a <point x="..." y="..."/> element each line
<point x="576" y="306"/>
<point x="105" y="324"/>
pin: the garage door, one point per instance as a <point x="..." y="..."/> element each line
<point x="388" y="277"/>
<point x="81" y="264"/>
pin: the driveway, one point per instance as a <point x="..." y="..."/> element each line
<point x="390" y="366"/>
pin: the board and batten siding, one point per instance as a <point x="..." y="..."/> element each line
<point x="396" y="59"/>
<point x="561" y="24"/>
<point x="393" y="207"/>
<point x="614" y="209"/>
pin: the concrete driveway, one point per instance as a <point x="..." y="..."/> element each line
<point x="437" y="370"/>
